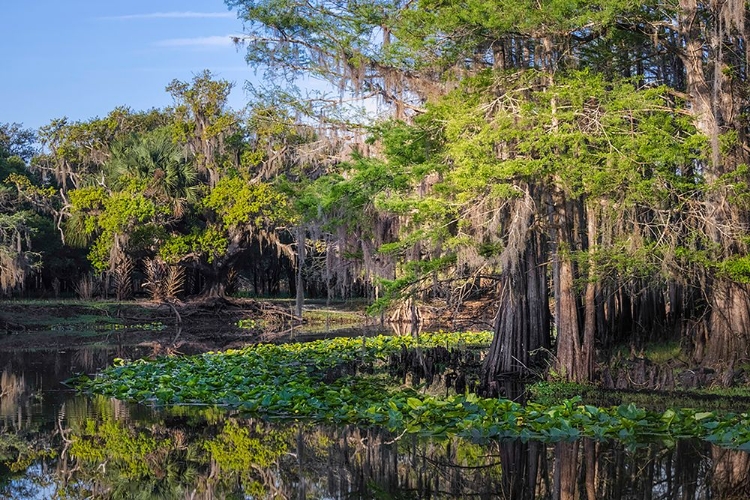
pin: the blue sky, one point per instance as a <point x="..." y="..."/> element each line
<point x="83" y="58"/>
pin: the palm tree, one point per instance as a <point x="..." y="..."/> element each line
<point x="154" y="165"/>
<point x="157" y="163"/>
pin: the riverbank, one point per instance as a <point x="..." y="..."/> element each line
<point x="190" y="327"/>
<point x="661" y="376"/>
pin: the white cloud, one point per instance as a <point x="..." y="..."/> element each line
<point x="171" y="15"/>
<point x="198" y="42"/>
<point x="216" y="70"/>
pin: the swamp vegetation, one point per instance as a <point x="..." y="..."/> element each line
<point x="313" y="439"/>
<point x="581" y="167"/>
<point x="327" y="381"/>
<point x="571" y="175"/>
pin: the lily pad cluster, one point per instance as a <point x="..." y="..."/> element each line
<point x="306" y="381"/>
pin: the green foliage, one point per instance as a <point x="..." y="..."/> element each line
<point x="503" y="136"/>
<point x="16" y="142"/>
<point x="554" y="393"/>
<point x="109" y="441"/>
<point x="405" y="145"/>
<point x="413" y="273"/>
<point x="205" y="98"/>
<point x="239" y="203"/>
<point x="143" y="189"/>
<point x="209" y="244"/>
<point x="736" y="268"/>
<point x="594" y="136"/>
<point x="108" y="216"/>
<point x="287" y="381"/>
<point x="716" y="399"/>
<point x="196" y="378"/>
<point x="236" y="211"/>
<point x="156" y="163"/>
<point x="25" y="186"/>
<point x="202" y="121"/>
<point x="351" y="196"/>
<point x="164" y="183"/>
<point x="78" y="150"/>
<point x="443" y="33"/>
<point x="20" y="194"/>
<point x="249" y="324"/>
<point x="17" y="454"/>
<point x="235" y="450"/>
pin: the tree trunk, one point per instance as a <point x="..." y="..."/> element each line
<point x="729" y="323"/>
<point x="566" y="471"/>
<point x="572" y="362"/>
<point x="569" y="363"/>
<point x="588" y="349"/>
<point x="214" y="288"/>
<point x="522" y="322"/>
<point x="520" y="462"/>
<point x="730" y="476"/>
<point x="590" y="458"/>
<point x="300" y="298"/>
<point x="329" y="287"/>
<point x="716" y="110"/>
<point x="215" y="275"/>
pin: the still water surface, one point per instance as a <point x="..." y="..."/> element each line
<point x="55" y="443"/>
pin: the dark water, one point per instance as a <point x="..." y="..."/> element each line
<point x="57" y="444"/>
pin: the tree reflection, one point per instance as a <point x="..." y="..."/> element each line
<point x="730" y="476"/>
<point x="101" y="448"/>
<point x="14" y="396"/>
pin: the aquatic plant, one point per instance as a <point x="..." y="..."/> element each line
<point x="318" y="381"/>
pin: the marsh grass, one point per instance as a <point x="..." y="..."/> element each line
<point x="735" y="399"/>
<point x="658" y="352"/>
<point x="333" y="316"/>
<point x="69" y="315"/>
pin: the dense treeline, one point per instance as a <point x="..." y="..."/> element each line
<point x="587" y="161"/>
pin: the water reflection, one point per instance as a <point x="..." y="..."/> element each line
<point x="102" y="448"/>
<point x="56" y="444"/>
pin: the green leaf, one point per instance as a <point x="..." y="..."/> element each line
<point x="703" y="415"/>
<point x="414" y="403"/>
